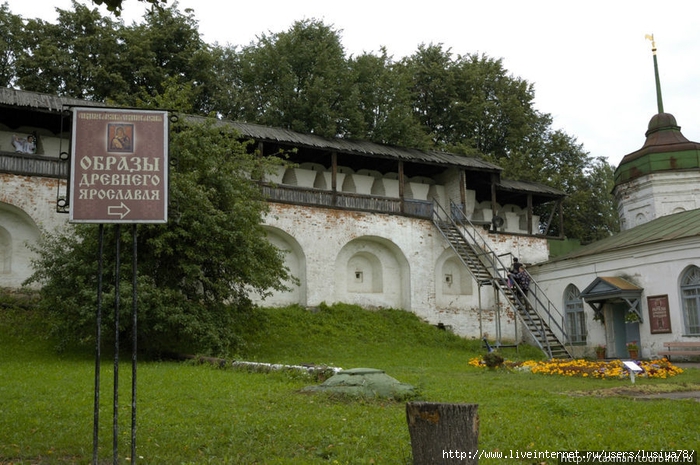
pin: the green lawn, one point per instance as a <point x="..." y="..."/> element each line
<point x="191" y="413"/>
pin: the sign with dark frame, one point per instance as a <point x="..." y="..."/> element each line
<point x="119" y="166"/>
<point x="659" y="314"/>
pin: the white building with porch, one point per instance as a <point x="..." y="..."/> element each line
<point x="643" y="284"/>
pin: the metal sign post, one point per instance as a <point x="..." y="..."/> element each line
<point x="119" y="162"/>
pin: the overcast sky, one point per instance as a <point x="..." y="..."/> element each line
<point x="589" y="61"/>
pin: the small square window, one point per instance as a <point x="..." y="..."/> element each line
<point x="448" y="279"/>
<point x="358" y="276"/>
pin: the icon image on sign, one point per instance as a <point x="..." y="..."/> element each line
<point x="121" y="137"/>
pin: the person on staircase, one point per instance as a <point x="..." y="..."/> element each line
<point x="521" y="277"/>
<point x="512" y="270"/>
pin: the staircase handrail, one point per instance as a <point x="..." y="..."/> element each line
<point x="554" y="317"/>
<point x="536" y="298"/>
<point x="516" y="291"/>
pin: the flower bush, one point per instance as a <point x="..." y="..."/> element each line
<point x="613" y="369"/>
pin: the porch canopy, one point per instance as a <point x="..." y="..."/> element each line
<point x="604" y="289"/>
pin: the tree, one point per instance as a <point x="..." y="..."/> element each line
<point x="297" y="80"/>
<point x="165" y="49"/>
<point x="384" y="101"/>
<point x="432" y="90"/>
<point x="115" y="6"/>
<point x="76" y="57"/>
<point x="11" y="27"/>
<point x="88" y="56"/>
<point x="558" y="160"/>
<point x="469" y="104"/>
<point x="195" y="273"/>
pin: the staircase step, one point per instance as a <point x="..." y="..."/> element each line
<point x="471" y="254"/>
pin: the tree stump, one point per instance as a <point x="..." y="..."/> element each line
<point x="443" y="433"/>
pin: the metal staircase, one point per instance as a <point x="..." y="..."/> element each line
<point x="537" y="313"/>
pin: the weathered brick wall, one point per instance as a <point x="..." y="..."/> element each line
<point x="27" y="206"/>
<point x="336" y="252"/>
<point x="375" y="260"/>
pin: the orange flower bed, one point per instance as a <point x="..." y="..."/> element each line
<point x="613" y="369"/>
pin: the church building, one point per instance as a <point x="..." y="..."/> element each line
<point x="641" y="286"/>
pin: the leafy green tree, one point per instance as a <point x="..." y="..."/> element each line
<point x="298" y="79"/>
<point x="384" y="101"/>
<point x="590" y="210"/>
<point x="88" y="56"/>
<point x="75" y="57"/>
<point x="166" y="48"/>
<point x="115" y="6"/>
<point x="469" y="104"/>
<point x="432" y="90"/>
<point x="557" y="160"/>
<point x="195" y="273"/>
<point x="11" y="28"/>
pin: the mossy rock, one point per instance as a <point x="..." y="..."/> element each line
<point x="365" y="382"/>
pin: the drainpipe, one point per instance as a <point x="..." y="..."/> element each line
<point x="529" y="214"/>
<point x="334" y="177"/>
<point x="494" y="180"/>
<point x="402" y="180"/>
<point x="462" y="192"/>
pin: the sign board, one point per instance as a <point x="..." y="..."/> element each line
<point x="659" y="314"/>
<point x="119" y="166"/>
<point x="633" y="367"/>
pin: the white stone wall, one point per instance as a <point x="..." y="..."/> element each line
<point x="27" y="206"/>
<point x="655" y="195"/>
<point x="378" y="260"/>
<point x="375" y="260"/>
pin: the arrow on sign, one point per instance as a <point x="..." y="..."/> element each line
<point x="120" y="210"/>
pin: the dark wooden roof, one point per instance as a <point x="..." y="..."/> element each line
<point x="52" y="103"/>
<point x="39" y="101"/>
<point x="529" y="188"/>
<point x="47" y="103"/>
<point x="359" y="147"/>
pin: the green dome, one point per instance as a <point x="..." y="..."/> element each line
<point x="665" y="149"/>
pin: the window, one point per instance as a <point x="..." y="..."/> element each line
<point x="690" y="295"/>
<point x="575" y="316"/>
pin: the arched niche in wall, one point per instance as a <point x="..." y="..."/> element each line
<point x="365" y="274"/>
<point x="640" y="218"/>
<point x="18" y="230"/>
<point x="454" y="285"/>
<point x="295" y="260"/>
<point x="372" y="271"/>
<point x="5" y="251"/>
<point x="456" y="279"/>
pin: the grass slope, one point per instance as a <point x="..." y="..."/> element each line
<point x="192" y="413"/>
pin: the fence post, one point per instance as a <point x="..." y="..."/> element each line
<point x="443" y="433"/>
